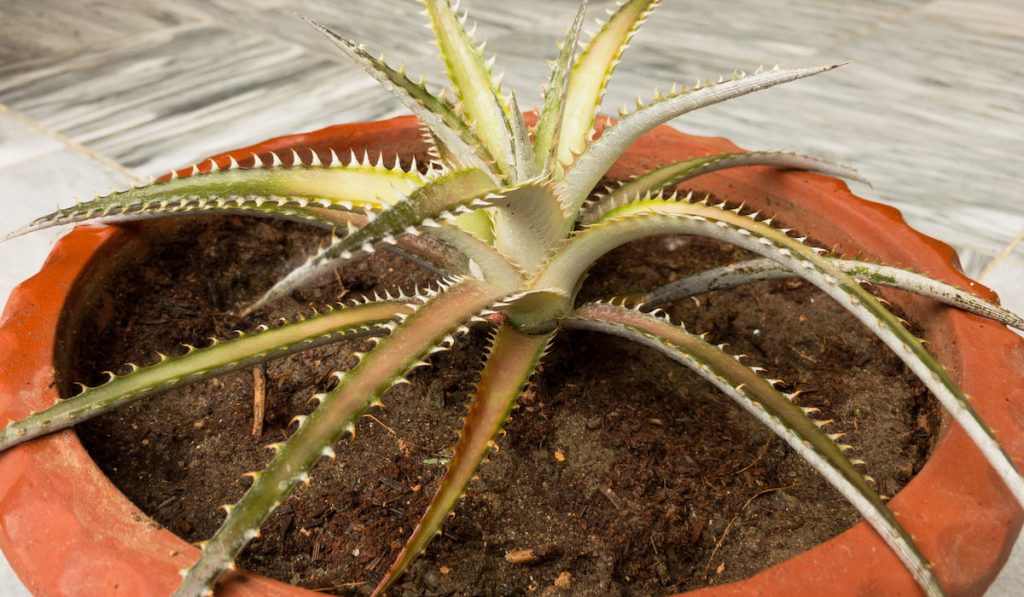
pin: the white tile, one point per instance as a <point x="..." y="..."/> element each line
<point x="1006" y="276"/>
<point x="10" y="586"/>
<point x="35" y="187"/>
<point x="20" y="141"/>
<point x="1010" y="580"/>
<point x="972" y="261"/>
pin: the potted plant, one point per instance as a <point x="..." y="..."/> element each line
<point x="507" y="214"/>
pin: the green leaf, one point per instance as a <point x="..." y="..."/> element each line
<point x="442" y="198"/>
<point x="590" y="76"/>
<point x="512" y="359"/>
<point x="198" y="364"/>
<point x="759" y="270"/>
<point x="428" y="328"/>
<point x="670" y="175"/>
<point x="458" y="142"/>
<point x="266" y="188"/>
<point x="478" y="92"/>
<point x="649" y="217"/>
<point x="758" y="396"/>
<point x="493" y="267"/>
<point x="525" y="168"/>
<point x="551" y="116"/>
<point x="528" y="224"/>
<point x="599" y="156"/>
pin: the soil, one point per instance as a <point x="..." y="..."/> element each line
<point x="622" y="472"/>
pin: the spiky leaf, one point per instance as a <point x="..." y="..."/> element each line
<point x="479" y="93"/>
<point x="757" y="395"/>
<point x="599" y="156"/>
<point x="267" y="188"/>
<point x="458" y="140"/>
<point x="512" y="359"/>
<point x="528" y="224"/>
<point x="673" y="174"/>
<point x="483" y="260"/>
<point x="198" y="364"/>
<point x="430" y="325"/>
<point x="522" y="147"/>
<point x="758" y="270"/>
<point x="443" y="198"/>
<point x="549" y="125"/>
<point x="655" y="216"/>
<point x="591" y="72"/>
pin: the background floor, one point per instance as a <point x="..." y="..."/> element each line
<point x="101" y="93"/>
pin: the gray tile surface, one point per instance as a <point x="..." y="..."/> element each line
<point x="159" y="100"/>
<point x="932" y="109"/>
<point x="37" y="28"/>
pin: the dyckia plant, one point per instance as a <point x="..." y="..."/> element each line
<point x="507" y="214"/>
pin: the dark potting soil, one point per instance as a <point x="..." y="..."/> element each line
<point x="622" y="473"/>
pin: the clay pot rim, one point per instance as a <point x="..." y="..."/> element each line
<point x="55" y="505"/>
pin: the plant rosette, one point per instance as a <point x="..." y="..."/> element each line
<point x="67" y="530"/>
<point x="507" y="217"/>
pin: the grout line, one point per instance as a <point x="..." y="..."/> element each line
<point x="1010" y="247"/>
<point x="72" y="144"/>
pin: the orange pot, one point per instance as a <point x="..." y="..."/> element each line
<point x="67" y="530"/>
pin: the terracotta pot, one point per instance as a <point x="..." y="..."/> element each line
<point x="67" y="530"/>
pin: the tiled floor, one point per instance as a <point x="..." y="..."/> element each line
<point x="95" y="93"/>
